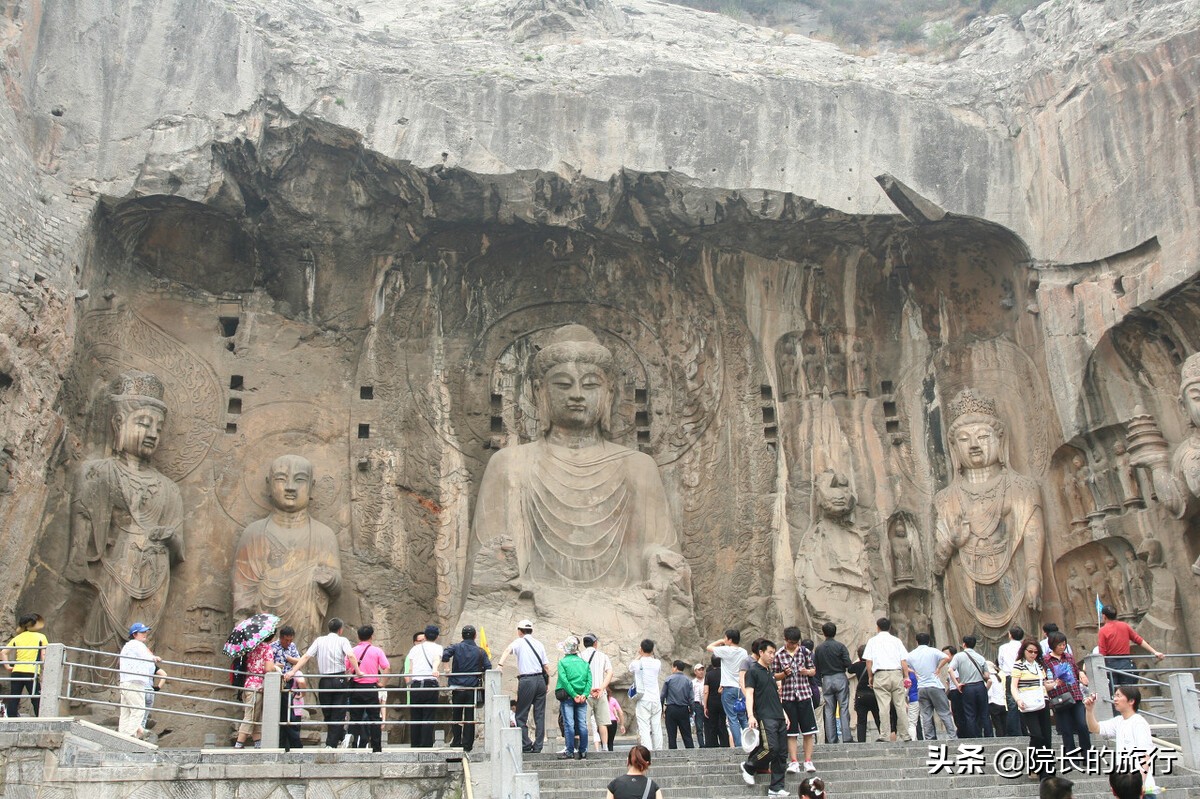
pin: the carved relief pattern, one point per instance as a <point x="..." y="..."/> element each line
<point x="121" y="339"/>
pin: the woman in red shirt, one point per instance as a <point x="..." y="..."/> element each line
<point x="1069" y="680"/>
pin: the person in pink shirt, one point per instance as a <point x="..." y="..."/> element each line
<point x="366" y="725"/>
<point x="259" y="661"/>
<point x="618" y="719"/>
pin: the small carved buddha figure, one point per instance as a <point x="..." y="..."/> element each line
<point x="288" y="563"/>
<point x="126" y="518"/>
<point x="989" y="538"/>
<point x="902" y="554"/>
<point x="1077" y="598"/>
<point x="1116" y="584"/>
<point x="1139" y="581"/>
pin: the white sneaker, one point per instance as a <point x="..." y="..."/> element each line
<point x="747" y="777"/>
<point x="809" y="767"/>
<point x="793" y="767"/>
<point x="780" y="792"/>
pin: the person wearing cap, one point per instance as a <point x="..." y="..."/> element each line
<point x="602" y="671"/>
<point x="136" y="667"/>
<point x="425" y="658"/>
<point x="334" y="656"/>
<point x="533" y="675"/>
<point x="467" y="662"/>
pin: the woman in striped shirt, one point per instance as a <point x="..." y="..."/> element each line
<point x="1029" y="691"/>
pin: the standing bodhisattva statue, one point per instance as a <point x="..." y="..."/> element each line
<point x="288" y="563"/>
<point x="572" y="521"/>
<point x="990" y="530"/>
<point x="1176" y="478"/>
<point x="126" y="518"/>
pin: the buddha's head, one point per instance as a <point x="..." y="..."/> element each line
<point x="1189" y="389"/>
<point x="289" y="481"/>
<point x="834" y="494"/>
<point x="976" y="433"/>
<point x="138" y="414"/>
<point x="573" y="380"/>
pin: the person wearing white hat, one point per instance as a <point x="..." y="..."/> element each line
<point x="533" y="675"/>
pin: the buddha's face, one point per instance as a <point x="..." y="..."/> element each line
<point x="1190" y="400"/>
<point x="577" y="393"/>
<point x="138" y="431"/>
<point x="978" y="445"/>
<point x="833" y="492"/>
<point x="289" y="486"/>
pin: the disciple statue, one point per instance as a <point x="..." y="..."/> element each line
<point x="1097" y="581"/>
<point x="1131" y="490"/>
<point x="126" y="518"/>
<point x="1077" y="490"/>
<point x="1077" y="599"/>
<point x="990" y="531"/>
<point x="789" y="367"/>
<point x="1116" y="584"/>
<point x="572" y="516"/>
<point x="857" y="369"/>
<point x="902" y="554"/>
<point x="1176" y="479"/>
<point x="288" y="563"/>
<point x="830" y="559"/>
<point x="813" y="364"/>
<point x="1139" y="581"/>
<point x="835" y="369"/>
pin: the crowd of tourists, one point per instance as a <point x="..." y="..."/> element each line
<point x="772" y="699"/>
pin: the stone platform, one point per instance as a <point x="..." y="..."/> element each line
<point x="67" y="758"/>
<point x="854" y="770"/>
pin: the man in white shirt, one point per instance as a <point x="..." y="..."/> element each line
<point x="887" y="663"/>
<point x="645" y="670"/>
<point x="1047" y="628"/>
<point x="1129" y="729"/>
<point x="1006" y="658"/>
<point x="333" y="653"/>
<point x="533" y="674"/>
<point x="925" y="662"/>
<point x="424" y="658"/>
<point x="602" y="672"/>
<point x="137" y="665"/>
<point x="732" y="657"/>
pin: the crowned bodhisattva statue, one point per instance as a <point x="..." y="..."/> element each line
<point x="990" y="530"/>
<point x="126" y="518"/>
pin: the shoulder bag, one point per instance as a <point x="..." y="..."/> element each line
<point x="983" y="670"/>
<point x="1064" y="699"/>
<point x="1034" y="698"/>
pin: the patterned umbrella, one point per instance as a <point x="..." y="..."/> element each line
<point x="249" y="633"/>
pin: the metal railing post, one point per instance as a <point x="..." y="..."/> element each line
<point x="1099" y="680"/>
<point x="271" y="687"/>
<point x="1187" y="715"/>
<point x="492" y="711"/>
<point x="51" y="683"/>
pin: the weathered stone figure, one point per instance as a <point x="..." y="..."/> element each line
<point x="126" y="518"/>
<point x="902" y="554"/>
<point x="1116" y="584"/>
<point x="1076" y="491"/>
<point x="857" y="375"/>
<point x="835" y="369"/>
<point x="989" y="535"/>
<point x="830" y="559"/>
<point x="1131" y="490"/>
<point x="813" y="364"/>
<point x="1176" y="479"/>
<point x="573" y="516"/>
<point x="1077" y="599"/>
<point x="1139" y="581"/>
<point x="288" y="563"/>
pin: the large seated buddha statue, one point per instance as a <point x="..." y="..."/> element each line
<point x="572" y="529"/>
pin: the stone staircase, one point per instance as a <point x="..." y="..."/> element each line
<point x="855" y="770"/>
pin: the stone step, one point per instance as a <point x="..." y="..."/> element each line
<point x="851" y="770"/>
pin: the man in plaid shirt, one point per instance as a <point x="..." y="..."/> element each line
<point x="796" y="665"/>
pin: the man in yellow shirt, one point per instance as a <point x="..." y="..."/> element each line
<point x="22" y="659"/>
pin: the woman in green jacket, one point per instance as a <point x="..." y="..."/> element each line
<point x="574" y="685"/>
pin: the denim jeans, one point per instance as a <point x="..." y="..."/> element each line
<point x="574" y="719"/>
<point x="737" y="721"/>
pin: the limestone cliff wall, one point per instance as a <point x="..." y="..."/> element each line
<point x="203" y="160"/>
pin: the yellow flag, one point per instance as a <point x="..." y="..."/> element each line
<point x="483" y="642"/>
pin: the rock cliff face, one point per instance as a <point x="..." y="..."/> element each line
<point x="340" y="229"/>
